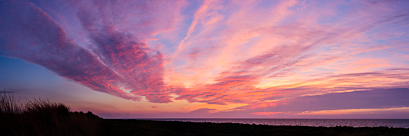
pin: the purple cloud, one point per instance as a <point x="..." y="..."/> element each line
<point x="116" y="60"/>
<point x="32" y="35"/>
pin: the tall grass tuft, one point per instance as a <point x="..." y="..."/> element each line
<point x="9" y="110"/>
<point x="8" y="104"/>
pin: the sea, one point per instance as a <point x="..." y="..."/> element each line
<point x="391" y="123"/>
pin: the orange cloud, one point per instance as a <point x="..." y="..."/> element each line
<point x="266" y="113"/>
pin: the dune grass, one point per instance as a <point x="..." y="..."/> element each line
<point x="41" y="117"/>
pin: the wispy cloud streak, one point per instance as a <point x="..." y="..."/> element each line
<point x="122" y="51"/>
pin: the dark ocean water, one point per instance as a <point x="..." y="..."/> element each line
<point x="396" y="123"/>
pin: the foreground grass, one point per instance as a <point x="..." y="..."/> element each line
<point x="44" y="118"/>
<point x="40" y="117"/>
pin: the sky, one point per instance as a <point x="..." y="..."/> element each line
<point x="210" y="58"/>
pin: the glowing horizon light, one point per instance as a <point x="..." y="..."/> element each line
<point x="354" y="111"/>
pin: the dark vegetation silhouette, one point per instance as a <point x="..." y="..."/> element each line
<point x="43" y="118"/>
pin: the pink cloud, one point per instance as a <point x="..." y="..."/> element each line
<point x="280" y="46"/>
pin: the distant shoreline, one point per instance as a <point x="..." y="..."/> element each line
<point x="150" y="127"/>
<point x="250" y="118"/>
<point x="391" y="123"/>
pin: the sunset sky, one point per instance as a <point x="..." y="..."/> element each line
<point x="210" y="58"/>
